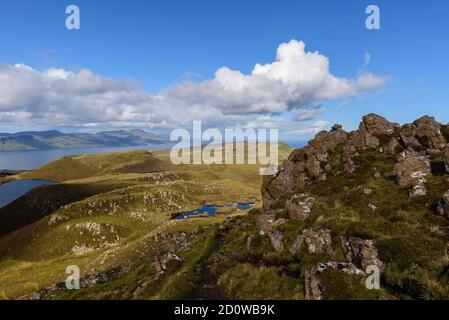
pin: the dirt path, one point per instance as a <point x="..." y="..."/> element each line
<point x="207" y="287"/>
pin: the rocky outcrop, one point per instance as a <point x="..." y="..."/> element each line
<point x="299" y="207"/>
<point x="362" y="253"/>
<point x="317" y="241"/>
<point x="314" y="287"/>
<point x="424" y="132"/>
<point x="409" y="144"/>
<point x="443" y="205"/>
<point x="411" y="170"/>
<point x="303" y="165"/>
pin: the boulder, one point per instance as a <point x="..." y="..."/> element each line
<point x="443" y="206"/>
<point x="299" y="207"/>
<point x="317" y="241"/>
<point x="276" y="238"/>
<point x="428" y="133"/>
<point x="411" y="170"/>
<point x="392" y="147"/>
<point x="376" y="125"/>
<point x="418" y="190"/>
<point x="362" y="253"/>
<point x="408" y="136"/>
<point x="167" y="262"/>
<point x="349" y="151"/>
<point x="361" y="140"/>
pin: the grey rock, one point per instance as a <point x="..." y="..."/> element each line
<point x="299" y="207"/>
<point x="361" y="252"/>
<point x="443" y="206"/>
<point x="276" y="238"/>
<point x="167" y="262"/>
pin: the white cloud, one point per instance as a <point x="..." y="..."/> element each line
<point x="294" y="81"/>
<point x="308" y="114"/>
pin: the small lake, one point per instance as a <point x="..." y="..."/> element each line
<point x="15" y="189"/>
<point x="32" y="159"/>
<point x="210" y="211"/>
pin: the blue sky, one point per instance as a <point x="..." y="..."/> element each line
<point x="160" y="44"/>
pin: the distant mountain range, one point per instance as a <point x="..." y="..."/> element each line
<point x="33" y="140"/>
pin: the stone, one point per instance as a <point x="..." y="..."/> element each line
<point x="392" y="147"/>
<point x="408" y="136"/>
<point x="372" y="207"/>
<point x="367" y="191"/>
<point x="299" y="207"/>
<point x="312" y="285"/>
<point x="337" y="127"/>
<point x="362" y="253"/>
<point x="318" y="241"/>
<point x="249" y="240"/>
<point x="349" y="152"/>
<point x="276" y="238"/>
<point x="314" y="288"/>
<point x="419" y="190"/>
<point x="443" y="205"/>
<point x="411" y="170"/>
<point x="428" y="133"/>
<point x="167" y="262"/>
<point x="377" y="125"/>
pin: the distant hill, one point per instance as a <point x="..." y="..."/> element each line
<point x="31" y="140"/>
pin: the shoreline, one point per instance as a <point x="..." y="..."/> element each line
<point x="6" y="173"/>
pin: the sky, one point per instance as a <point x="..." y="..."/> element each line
<point x="299" y="66"/>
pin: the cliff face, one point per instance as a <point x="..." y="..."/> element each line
<point x="412" y="145"/>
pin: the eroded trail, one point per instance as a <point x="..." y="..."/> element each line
<point x="207" y="287"/>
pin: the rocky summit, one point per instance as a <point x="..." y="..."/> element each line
<point x="377" y="196"/>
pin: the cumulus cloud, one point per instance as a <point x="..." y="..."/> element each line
<point x="296" y="80"/>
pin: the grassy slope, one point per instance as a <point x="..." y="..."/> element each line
<point x="132" y="198"/>
<point x="411" y="238"/>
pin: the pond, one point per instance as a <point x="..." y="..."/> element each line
<point x="13" y="190"/>
<point x="210" y="211"/>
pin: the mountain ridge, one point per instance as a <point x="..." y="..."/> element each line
<point x="54" y="139"/>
